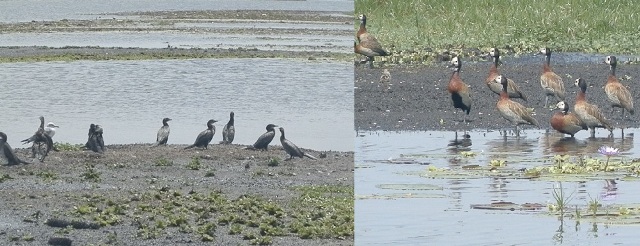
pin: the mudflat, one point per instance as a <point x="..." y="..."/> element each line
<point x="417" y="97"/>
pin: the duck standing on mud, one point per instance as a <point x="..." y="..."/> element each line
<point x="205" y="137"/>
<point x="7" y="151"/>
<point x="291" y="148"/>
<point x="265" y="139"/>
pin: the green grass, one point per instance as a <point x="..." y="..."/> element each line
<point x="427" y="28"/>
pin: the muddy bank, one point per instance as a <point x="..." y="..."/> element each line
<point x="418" y="98"/>
<point x="137" y="195"/>
<point x="36" y="54"/>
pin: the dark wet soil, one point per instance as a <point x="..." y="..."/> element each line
<point x="418" y="99"/>
<point x="37" y="192"/>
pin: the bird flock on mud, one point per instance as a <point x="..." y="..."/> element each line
<point x="42" y="140"/>
<point x="585" y="116"/>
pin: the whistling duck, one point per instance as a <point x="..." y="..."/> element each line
<point x="205" y="137"/>
<point x="512" y="88"/>
<point x="458" y="89"/>
<point x="565" y="122"/>
<point x="369" y="45"/>
<point x="618" y="94"/>
<point x="588" y="113"/>
<point x="551" y="83"/>
<point x="512" y="111"/>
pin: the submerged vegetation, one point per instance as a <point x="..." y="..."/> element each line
<point x="415" y="31"/>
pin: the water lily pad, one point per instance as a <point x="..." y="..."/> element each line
<point x="409" y="187"/>
<point x="508" y="206"/>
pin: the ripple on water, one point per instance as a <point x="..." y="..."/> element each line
<point x="400" y="216"/>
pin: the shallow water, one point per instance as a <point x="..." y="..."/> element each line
<point x="444" y="216"/>
<point x="312" y="100"/>
<point x="28" y="10"/>
<point x="201" y="33"/>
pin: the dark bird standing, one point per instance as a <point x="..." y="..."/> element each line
<point x="617" y="93"/>
<point x="588" y="113"/>
<point x="6" y="149"/>
<point x="95" y="142"/>
<point x="228" y="131"/>
<point x="163" y="133"/>
<point x="565" y="122"/>
<point x="265" y="139"/>
<point x="512" y="87"/>
<point x="512" y="111"/>
<point x="551" y="83"/>
<point x="205" y="137"/>
<point x="291" y="148"/>
<point x="458" y="89"/>
<point x="38" y="138"/>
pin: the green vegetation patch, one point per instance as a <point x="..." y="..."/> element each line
<point x="418" y="31"/>
<point x="317" y="212"/>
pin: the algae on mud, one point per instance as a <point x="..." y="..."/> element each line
<point x="152" y="196"/>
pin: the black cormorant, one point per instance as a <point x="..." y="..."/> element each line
<point x="205" y="137"/>
<point x="6" y="149"/>
<point x="163" y="133"/>
<point x="93" y="143"/>
<point x="39" y="138"/>
<point x="229" y="131"/>
<point x="291" y="148"/>
<point x="99" y="137"/>
<point x="264" y="140"/>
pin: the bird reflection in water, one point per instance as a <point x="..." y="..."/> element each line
<point x="460" y="144"/>
<point x="609" y="191"/>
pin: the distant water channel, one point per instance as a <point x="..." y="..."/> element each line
<point x="441" y="213"/>
<point x="312" y="100"/>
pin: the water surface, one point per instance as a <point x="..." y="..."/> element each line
<point x="313" y="100"/>
<point x="444" y="217"/>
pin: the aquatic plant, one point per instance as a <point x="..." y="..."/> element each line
<point x="608" y="152"/>
<point x="594" y="205"/>
<point x="561" y="199"/>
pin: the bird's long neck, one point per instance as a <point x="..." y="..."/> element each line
<point x="210" y="126"/>
<point x="612" y="70"/>
<point x="546" y="67"/>
<point x="582" y="95"/>
<point x="503" y="93"/>
<point x="230" y="123"/>
<point x="494" y="67"/>
<point x="363" y="28"/>
<point x="41" y="123"/>
<point x="282" y="136"/>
